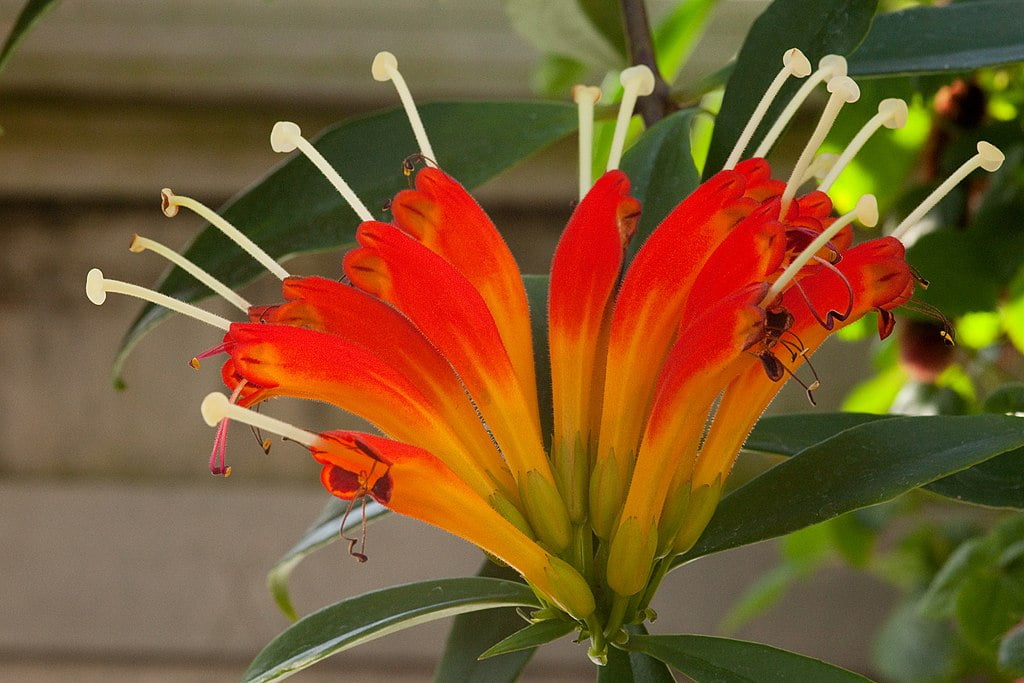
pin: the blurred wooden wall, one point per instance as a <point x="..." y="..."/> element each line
<point x="123" y="558"/>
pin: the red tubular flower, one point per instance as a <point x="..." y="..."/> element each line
<point x="431" y="343"/>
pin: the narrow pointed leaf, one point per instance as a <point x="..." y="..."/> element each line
<point x="838" y="27"/>
<point x="723" y="660"/>
<point x="955" y="37"/>
<point x="325" y="530"/>
<point x="862" y="466"/>
<point x="532" y="636"/>
<point x="369" y="616"/>
<point x="473" y="632"/>
<point x="661" y="171"/>
<point x="631" y="666"/>
<point x="31" y="13"/>
<point x="790" y="434"/>
<point x="294" y="209"/>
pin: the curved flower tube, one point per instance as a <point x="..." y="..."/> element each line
<point x="658" y="373"/>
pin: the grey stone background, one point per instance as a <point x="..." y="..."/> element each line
<point x="122" y="558"/>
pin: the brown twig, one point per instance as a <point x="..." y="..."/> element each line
<point x="658" y="104"/>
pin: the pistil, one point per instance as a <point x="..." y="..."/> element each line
<point x="636" y="81"/>
<point x="385" y="68"/>
<point x="97" y="287"/>
<point x="843" y="90"/>
<point x="170" y="203"/>
<point x="585" y="98"/>
<point x="988" y="157"/>
<point x="140" y="244"/>
<point x="794" y="63"/>
<point x="287" y="137"/>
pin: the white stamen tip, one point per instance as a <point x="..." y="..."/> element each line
<point x="384" y="64"/>
<point x="867" y="211"/>
<point x="834" y="65"/>
<point x="640" y="77"/>
<point x="797" y="63"/>
<point x="845" y="87"/>
<point x="990" y="156"/>
<point x="895" y="111"/>
<point x="284" y="137"/>
<point x="214" y="408"/>
<point x="167" y="204"/>
<point x="94" y="287"/>
<point x="586" y="93"/>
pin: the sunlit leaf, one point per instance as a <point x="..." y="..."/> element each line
<point x="373" y="615"/>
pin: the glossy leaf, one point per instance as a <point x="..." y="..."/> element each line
<point x="294" y="209"/>
<point x="707" y="658"/>
<point x="532" y="636"/>
<point x="325" y="530"/>
<point x="373" y="615"/>
<point x="998" y="482"/>
<point x="838" y="27"/>
<point x="790" y="434"/>
<point x="31" y="13"/>
<point x="955" y="37"/>
<point x="862" y="466"/>
<point x="630" y="666"/>
<point x="473" y="632"/>
<point x="661" y="171"/>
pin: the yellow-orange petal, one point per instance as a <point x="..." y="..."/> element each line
<point x="441" y="214"/>
<point x="411" y="481"/>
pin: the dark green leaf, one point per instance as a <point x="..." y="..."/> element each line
<point x="369" y="616"/>
<point x="939" y="600"/>
<point x="955" y="37"/>
<point x="294" y="209"/>
<point x="790" y="434"/>
<point x="633" y="667"/>
<point x="988" y="605"/>
<point x="32" y="12"/>
<point x="661" y="171"/>
<point x="1011" y="651"/>
<point x="474" y="632"/>
<point x="531" y="637"/>
<point x="998" y="482"/>
<point x="325" y="530"/>
<point x="837" y="28"/>
<point x="707" y="659"/>
<point x="1008" y="398"/>
<point x="862" y="466"/>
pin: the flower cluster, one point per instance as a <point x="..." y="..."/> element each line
<point x="659" y="366"/>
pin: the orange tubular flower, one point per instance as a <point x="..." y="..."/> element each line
<point x="658" y="373"/>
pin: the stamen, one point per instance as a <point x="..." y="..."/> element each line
<point x="141" y="244"/>
<point x="636" y="81"/>
<point x="385" y="68"/>
<point x="988" y="157"/>
<point x="97" y="287"/>
<point x="892" y="113"/>
<point x="794" y="63"/>
<point x="829" y="67"/>
<point x="866" y="212"/>
<point x="170" y="203"/>
<point x="218" y="349"/>
<point x="843" y="90"/>
<point x="287" y="137"/>
<point x="220" y="442"/>
<point x="217" y="406"/>
<point x="820" y="166"/>
<point x="585" y="99"/>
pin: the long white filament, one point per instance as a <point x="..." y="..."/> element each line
<point x="988" y="157"/>
<point x="794" y="63"/>
<point x="287" y="137"/>
<point x="636" y="81"/>
<point x="140" y="244"/>
<point x="171" y="202"/>
<point x="585" y="98"/>
<point x="892" y="113"/>
<point x="385" y="68"/>
<point x="215" y="407"/>
<point x="97" y="287"/>
<point x="829" y="67"/>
